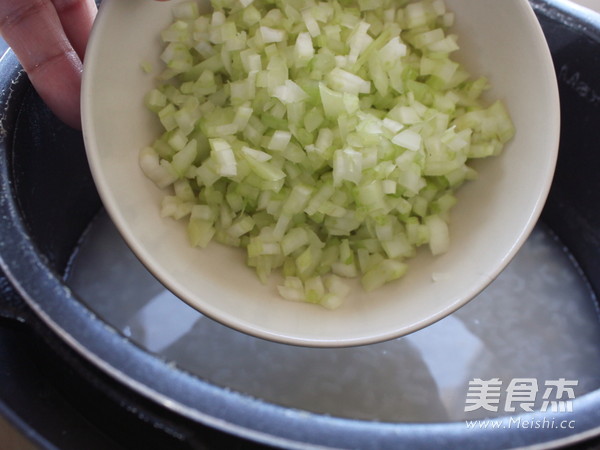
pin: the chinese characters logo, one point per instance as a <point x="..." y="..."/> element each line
<point x="521" y="394"/>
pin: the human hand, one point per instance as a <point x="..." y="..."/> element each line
<point x="49" y="38"/>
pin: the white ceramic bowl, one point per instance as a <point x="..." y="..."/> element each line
<point x="499" y="39"/>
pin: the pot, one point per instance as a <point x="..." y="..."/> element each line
<point x="48" y="200"/>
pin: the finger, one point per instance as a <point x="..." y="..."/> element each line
<point x="33" y="30"/>
<point x="76" y="17"/>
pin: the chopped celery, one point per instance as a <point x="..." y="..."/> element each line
<point x="326" y="138"/>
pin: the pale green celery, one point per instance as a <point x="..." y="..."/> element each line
<point x="383" y="272"/>
<point x="326" y="138"/>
